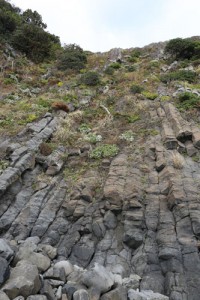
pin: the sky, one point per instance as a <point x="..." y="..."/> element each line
<point x="100" y="25"/>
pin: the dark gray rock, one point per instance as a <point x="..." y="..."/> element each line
<point x="119" y="293"/>
<point x="4" y="270"/>
<point x="24" y="280"/>
<point x="5" y="250"/>
<point x="110" y="220"/>
<point x="133" y="237"/>
<point x="47" y="290"/>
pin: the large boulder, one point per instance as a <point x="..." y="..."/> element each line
<point x="98" y="278"/>
<point x="81" y="295"/>
<point x="24" y="280"/>
<point x="3" y="296"/>
<point x="26" y="252"/>
<point x="145" y="295"/>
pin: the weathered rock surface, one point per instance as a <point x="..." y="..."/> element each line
<point x="24" y="280"/>
<point x="131" y="223"/>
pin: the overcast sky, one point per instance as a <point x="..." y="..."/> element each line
<point x="99" y="25"/>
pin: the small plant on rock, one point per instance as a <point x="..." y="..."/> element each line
<point x="127" y="136"/>
<point x="104" y="150"/>
<point x="150" y="96"/>
<point x="93" y="138"/>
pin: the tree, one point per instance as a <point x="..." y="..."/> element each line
<point x="34" y="18"/>
<point x="72" y="57"/>
<point x="180" y="48"/>
<point x="34" y="42"/>
<point x="9" y="18"/>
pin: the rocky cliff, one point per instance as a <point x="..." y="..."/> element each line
<point x="122" y="224"/>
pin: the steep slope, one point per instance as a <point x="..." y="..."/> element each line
<point x="111" y="187"/>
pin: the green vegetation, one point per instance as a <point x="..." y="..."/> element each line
<point x="136" y="89"/>
<point x="127" y="136"/>
<point x="93" y="138"/>
<point x="115" y="65"/>
<point x="183" y="48"/>
<point x="133" y="118"/>
<point x="71" y="57"/>
<point x="135" y="54"/>
<point x="188" y="101"/>
<point x="25" y="32"/>
<point x="90" y="78"/>
<point x="181" y="75"/>
<point x="104" y="150"/>
<point x="150" y="96"/>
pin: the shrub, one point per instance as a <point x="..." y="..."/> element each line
<point x="34" y="42"/>
<point x="45" y="149"/>
<point x="90" y="78"/>
<point x="183" y="48"/>
<point x="60" y="106"/>
<point x="115" y="65"/>
<point x="180" y="48"/>
<point x="72" y="57"/>
<point x="104" y="150"/>
<point x="109" y="70"/>
<point x="136" y="89"/>
<point x="181" y="75"/>
<point x="150" y="96"/>
<point x="188" y="100"/>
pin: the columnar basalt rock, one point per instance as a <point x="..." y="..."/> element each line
<point x="128" y="230"/>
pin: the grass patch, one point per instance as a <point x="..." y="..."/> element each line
<point x="188" y="101"/>
<point x="104" y="150"/>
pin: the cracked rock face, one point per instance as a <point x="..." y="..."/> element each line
<point x="129" y="230"/>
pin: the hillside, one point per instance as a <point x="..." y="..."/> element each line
<point x="99" y="176"/>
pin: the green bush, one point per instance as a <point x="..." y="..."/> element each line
<point x="34" y="42"/>
<point x="181" y="75"/>
<point x="72" y="57"/>
<point x="115" y="65"/>
<point x="90" y="78"/>
<point x="150" y="96"/>
<point x="183" y="48"/>
<point x="104" y="150"/>
<point x="188" y="101"/>
<point x="109" y="70"/>
<point x="136" y="89"/>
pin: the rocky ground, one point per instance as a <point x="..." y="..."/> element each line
<point x="120" y="227"/>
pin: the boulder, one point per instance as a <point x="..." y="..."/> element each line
<point x="119" y="293"/>
<point x="145" y="295"/>
<point x="98" y="278"/>
<point x="3" y="296"/>
<point x="5" y="250"/>
<point x="47" y="290"/>
<point x="24" y="280"/>
<point x="81" y="295"/>
<point x="66" y="265"/>
<point x="37" y="297"/>
<point x="26" y="252"/>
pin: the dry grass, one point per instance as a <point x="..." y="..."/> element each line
<point x="178" y="160"/>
